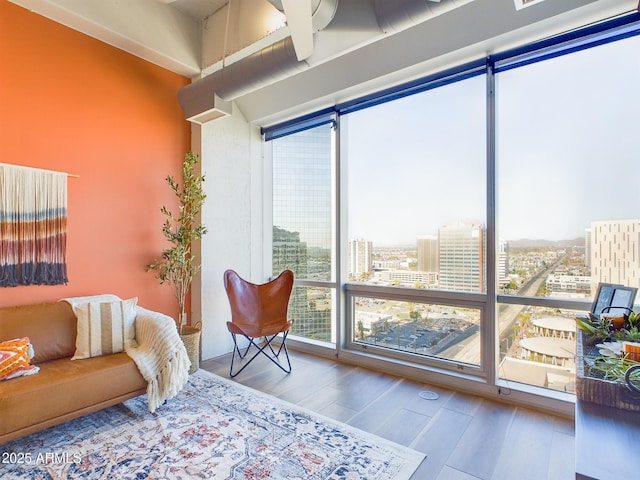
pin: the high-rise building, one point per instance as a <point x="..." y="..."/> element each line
<point x="615" y="253"/>
<point x="587" y="247"/>
<point x="302" y="225"/>
<point x="461" y="252"/>
<point x="360" y="257"/>
<point x="289" y="252"/>
<point x="503" y="262"/>
<point x="428" y="254"/>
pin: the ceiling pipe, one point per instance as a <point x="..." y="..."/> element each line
<point x="397" y="15"/>
<point x="210" y="97"/>
<point x="322" y="12"/>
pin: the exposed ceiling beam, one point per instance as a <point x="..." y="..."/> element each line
<point x="298" y="13"/>
<point x="466" y="33"/>
<point x="352" y="56"/>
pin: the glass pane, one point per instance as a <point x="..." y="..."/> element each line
<point x="302" y="226"/>
<point x="416" y="190"/>
<point x="568" y="209"/>
<point x="538" y="346"/>
<point x="302" y="207"/>
<point x="442" y="331"/>
<point x="311" y="309"/>
<point x="568" y="170"/>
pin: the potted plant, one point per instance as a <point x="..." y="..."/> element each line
<point x="607" y="360"/>
<point x="177" y="265"/>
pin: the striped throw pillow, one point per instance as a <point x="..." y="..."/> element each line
<point x="105" y="328"/>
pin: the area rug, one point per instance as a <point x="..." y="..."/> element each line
<point x="213" y="429"/>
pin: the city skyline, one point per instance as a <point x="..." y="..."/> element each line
<point x="565" y="158"/>
<point x="562" y="162"/>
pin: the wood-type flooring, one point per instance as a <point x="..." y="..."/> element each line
<point x="465" y="437"/>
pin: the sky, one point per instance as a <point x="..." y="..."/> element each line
<point x="568" y="152"/>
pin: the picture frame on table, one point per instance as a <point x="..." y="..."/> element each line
<point x="613" y="299"/>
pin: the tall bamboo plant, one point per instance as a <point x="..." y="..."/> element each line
<point x="177" y="265"/>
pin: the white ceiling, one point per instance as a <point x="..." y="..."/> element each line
<point x="197" y="9"/>
<point x="352" y="55"/>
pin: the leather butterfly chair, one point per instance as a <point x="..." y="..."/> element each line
<point x="259" y="311"/>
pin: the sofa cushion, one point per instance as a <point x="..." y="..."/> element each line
<point x="51" y="328"/>
<point x="64" y="386"/>
<point x="105" y="327"/>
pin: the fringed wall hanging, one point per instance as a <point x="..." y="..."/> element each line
<point x="33" y="226"/>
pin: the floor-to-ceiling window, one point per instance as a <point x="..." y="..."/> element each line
<point x="416" y="223"/>
<point x="477" y="210"/>
<point x="568" y="171"/>
<point x="303" y="227"/>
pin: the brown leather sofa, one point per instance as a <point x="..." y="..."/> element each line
<point x="63" y="389"/>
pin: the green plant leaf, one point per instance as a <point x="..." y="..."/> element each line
<point x="177" y="265"/>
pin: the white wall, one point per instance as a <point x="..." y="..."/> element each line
<point x="231" y="152"/>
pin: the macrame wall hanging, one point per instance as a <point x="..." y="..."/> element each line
<point x="33" y="226"/>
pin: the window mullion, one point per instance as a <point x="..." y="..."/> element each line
<point x="489" y="332"/>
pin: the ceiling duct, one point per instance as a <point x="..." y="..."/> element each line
<point x="304" y="18"/>
<point x="397" y="15"/>
<point x="210" y="97"/>
<point x="323" y="12"/>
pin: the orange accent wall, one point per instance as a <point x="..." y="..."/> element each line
<point x="71" y="103"/>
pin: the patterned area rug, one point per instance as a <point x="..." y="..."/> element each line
<point x="214" y="429"/>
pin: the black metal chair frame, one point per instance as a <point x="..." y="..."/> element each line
<point x="274" y="357"/>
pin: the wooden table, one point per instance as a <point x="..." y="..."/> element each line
<point x="607" y="443"/>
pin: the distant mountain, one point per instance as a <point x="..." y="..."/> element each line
<point x="541" y="243"/>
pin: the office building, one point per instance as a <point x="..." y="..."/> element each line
<point x="462" y="256"/>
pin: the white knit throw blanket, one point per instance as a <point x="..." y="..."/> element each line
<point x="160" y="356"/>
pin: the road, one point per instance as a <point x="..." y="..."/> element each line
<point x="469" y="350"/>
